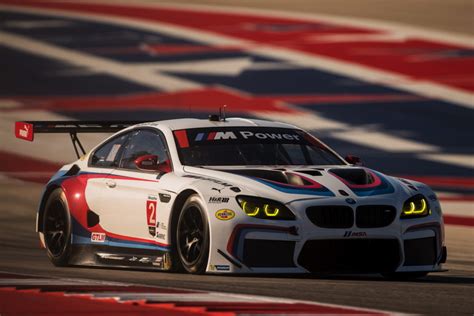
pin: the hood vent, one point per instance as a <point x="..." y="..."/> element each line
<point x="355" y="176"/>
<point x="272" y="175"/>
<point x="314" y="173"/>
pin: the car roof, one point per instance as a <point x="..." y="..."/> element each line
<point x="187" y="123"/>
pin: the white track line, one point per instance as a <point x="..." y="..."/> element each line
<point x="373" y="139"/>
<point x="142" y="76"/>
<point x="375" y="25"/>
<point x="360" y="136"/>
<point x="365" y="73"/>
<point x="455" y="159"/>
<point x="458" y="208"/>
<point x="198" y="295"/>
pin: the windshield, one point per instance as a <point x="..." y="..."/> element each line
<point x="232" y="146"/>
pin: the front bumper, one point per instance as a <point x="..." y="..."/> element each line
<point x="301" y="246"/>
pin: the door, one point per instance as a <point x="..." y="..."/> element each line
<point x="131" y="206"/>
<point x="102" y="163"/>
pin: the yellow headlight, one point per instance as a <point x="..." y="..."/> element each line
<point x="271" y="211"/>
<point x="264" y="208"/>
<point x="250" y="209"/>
<point x="416" y="206"/>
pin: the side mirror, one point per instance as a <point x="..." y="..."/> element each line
<point x="151" y="163"/>
<point x="353" y="160"/>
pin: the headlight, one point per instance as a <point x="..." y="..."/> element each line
<point x="416" y="206"/>
<point x="263" y="208"/>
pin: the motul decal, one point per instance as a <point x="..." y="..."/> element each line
<point x="24" y="131"/>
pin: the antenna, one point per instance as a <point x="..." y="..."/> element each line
<point x="221" y="117"/>
<point x="222" y="113"/>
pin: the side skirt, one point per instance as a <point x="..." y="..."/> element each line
<point x="120" y="257"/>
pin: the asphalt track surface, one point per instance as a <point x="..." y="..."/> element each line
<point x="443" y="293"/>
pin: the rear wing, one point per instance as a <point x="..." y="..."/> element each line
<point x="27" y="130"/>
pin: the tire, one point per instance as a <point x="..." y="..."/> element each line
<point x="405" y="276"/>
<point x="57" y="228"/>
<point x="192" y="236"/>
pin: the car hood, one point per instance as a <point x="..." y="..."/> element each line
<point x="290" y="183"/>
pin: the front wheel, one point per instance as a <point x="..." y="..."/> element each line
<point x="57" y="228"/>
<point x="192" y="236"/>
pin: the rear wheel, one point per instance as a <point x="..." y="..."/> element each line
<point x="57" y="228"/>
<point x="192" y="236"/>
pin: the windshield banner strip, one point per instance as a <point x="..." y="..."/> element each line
<point x="182" y="138"/>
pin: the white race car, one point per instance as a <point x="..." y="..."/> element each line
<point x="231" y="196"/>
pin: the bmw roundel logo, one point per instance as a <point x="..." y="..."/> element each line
<point x="350" y="201"/>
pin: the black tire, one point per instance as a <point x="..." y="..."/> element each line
<point x="405" y="276"/>
<point x="57" y="228"/>
<point x="192" y="236"/>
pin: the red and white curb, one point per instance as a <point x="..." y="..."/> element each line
<point x="32" y="295"/>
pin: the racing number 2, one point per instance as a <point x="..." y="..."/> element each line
<point x="151" y="212"/>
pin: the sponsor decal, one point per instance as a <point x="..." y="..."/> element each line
<point x="218" y="199"/>
<point x="158" y="262"/>
<point x="235" y="189"/>
<point x="151" y="215"/>
<point x="145" y="260"/>
<point x="163" y="262"/>
<point x="349" y="233"/>
<point x="245" y="135"/>
<point x="111" y="257"/>
<point x="225" y="184"/>
<point x="219" y="267"/>
<point x="225" y="214"/>
<point x="214" y="136"/>
<point x="216" y="189"/>
<point x="279" y="136"/>
<point x="24" y="131"/>
<point x="161" y="225"/>
<point x="98" y="237"/>
<point x="161" y="236"/>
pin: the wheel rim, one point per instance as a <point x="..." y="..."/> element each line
<point x="190" y="235"/>
<point x="55" y="229"/>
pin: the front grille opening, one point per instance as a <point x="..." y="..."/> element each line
<point x="350" y="255"/>
<point x="420" y="252"/>
<point x="374" y="216"/>
<point x="335" y="216"/>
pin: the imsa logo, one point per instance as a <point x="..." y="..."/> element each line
<point x="350" y="233"/>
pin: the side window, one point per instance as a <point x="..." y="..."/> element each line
<point x="108" y="155"/>
<point x="143" y="142"/>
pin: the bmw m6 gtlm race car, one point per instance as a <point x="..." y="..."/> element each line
<point x="231" y="196"/>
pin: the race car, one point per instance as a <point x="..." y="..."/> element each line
<point x="231" y="195"/>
